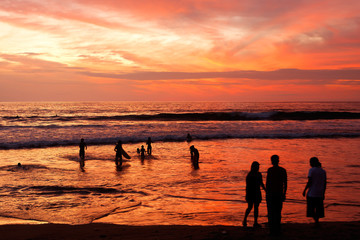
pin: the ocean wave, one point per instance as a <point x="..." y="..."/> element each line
<point x="176" y="138"/>
<point x="61" y="190"/>
<point x="343" y="204"/>
<point x="54" y="126"/>
<point x="202" y="116"/>
<point x="17" y="168"/>
<point x="206" y="199"/>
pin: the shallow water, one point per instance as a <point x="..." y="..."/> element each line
<point x="165" y="189"/>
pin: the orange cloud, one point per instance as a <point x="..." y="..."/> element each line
<point x="203" y="49"/>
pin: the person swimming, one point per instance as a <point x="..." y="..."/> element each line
<point x="188" y="137"/>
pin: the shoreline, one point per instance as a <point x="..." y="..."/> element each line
<point x="327" y="230"/>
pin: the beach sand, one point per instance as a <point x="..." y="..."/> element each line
<point x="327" y="230"/>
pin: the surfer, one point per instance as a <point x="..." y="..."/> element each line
<point x="82" y="147"/>
<point x="149" y="148"/>
<point x="120" y="152"/>
<point x="194" y="156"/>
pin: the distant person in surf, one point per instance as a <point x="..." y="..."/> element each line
<point x="188" y="138"/>
<point x="82" y="146"/>
<point x="253" y="194"/>
<point x="142" y="151"/>
<point x="194" y="157"/>
<point x="316" y="194"/>
<point x="120" y="152"/>
<point x="149" y="147"/>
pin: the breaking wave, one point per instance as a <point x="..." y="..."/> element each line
<point x="206" y="116"/>
<point x="177" y="138"/>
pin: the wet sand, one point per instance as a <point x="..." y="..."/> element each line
<point x="327" y="230"/>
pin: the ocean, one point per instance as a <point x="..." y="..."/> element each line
<point x="164" y="188"/>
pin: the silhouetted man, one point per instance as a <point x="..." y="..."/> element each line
<point x="276" y="186"/>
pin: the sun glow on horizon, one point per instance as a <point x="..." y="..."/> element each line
<point x="91" y="42"/>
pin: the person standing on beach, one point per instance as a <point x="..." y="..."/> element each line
<point x="82" y="147"/>
<point x="194" y="157"/>
<point x="253" y="194"/>
<point x="276" y="187"/>
<point x="120" y="152"/>
<point x="149" y="147"/>
<point x="316" y="194"/>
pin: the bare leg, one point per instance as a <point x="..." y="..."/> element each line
<point x="317" y="223"/>
<point x="256" y="214"/>
<point x="247" y="212"/>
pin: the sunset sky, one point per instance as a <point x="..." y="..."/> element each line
<point x="179" y="50"/>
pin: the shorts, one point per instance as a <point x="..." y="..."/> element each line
<point x="315" y="207"/>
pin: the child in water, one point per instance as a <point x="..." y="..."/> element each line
<point x="142" y="151"/>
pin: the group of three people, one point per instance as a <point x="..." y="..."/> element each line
<point x="120" y="152"/>
<point x="276" y="187"/>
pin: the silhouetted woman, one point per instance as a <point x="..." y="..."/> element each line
<point x="253" y="193"/>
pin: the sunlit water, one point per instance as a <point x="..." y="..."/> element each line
<point x="164" y="188"/>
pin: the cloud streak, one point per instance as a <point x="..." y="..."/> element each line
<point x="281" y="74"/>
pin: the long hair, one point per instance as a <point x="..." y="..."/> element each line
<point x="255" y="166"/>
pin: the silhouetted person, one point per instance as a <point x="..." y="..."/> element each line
<point x="120" y="152"/>
<point x="142" y="151"/>
<point x="316" y="194"/>
<point x="253" y="194"/>
<point x="188" y="138"/>
<point x="276" y="186"/>
<point x="82" y="147"/>
<point x="149" y="147"/>
<point x="194" y="156"/>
